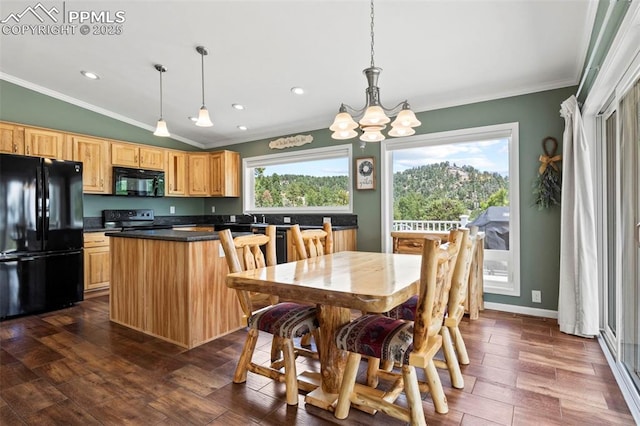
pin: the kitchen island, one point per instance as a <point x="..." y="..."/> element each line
<point x="171" y="284"/>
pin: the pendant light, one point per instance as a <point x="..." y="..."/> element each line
<point x="203" y="114"/>
<point x="373" y="115"/>
<point x="161" y="126"/>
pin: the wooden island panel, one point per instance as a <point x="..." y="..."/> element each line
<point x="175" y="291"/>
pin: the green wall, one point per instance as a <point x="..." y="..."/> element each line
<point x="537" y="114"/>
<point x="538" y="117"/>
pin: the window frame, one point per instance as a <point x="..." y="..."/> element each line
<point x="306" y="155"/>
<point x="476" y="134"/>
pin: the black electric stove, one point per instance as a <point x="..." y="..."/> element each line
<point x="128" y="220"/>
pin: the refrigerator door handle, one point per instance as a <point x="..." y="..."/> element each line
<point x="45" y="200"/>
<point x="39" y="207"/>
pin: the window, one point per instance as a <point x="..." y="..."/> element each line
<point x="312" y="180"/>
<point x="459" y="178"/>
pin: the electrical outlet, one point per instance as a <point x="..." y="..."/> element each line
<point x="213" y="209"/>
<point x="326" y="220"/>
<point x="536" y="296"/>
<point x="172" y="209"/>
<point x="232" y="218"/>
<point x="287" y="219"/>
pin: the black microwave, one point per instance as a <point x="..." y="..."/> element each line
<point x="137" y="182"/>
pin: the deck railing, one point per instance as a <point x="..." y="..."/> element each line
<point x="430" y="225"/>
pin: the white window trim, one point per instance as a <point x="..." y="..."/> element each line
<point x="475" y="134"/>
<point x="249" y="163"/>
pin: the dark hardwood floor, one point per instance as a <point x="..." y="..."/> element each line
<point x="74" y="367"/>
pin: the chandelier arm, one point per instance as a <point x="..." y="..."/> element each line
<point x="354" y="112"/>
<point x="395" y="110"/>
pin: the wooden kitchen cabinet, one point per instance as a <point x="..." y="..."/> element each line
<point x="45" y="143"/>
<point x="97" y="263"/>
<point x="199" y="174"/>
<point x="11" y="139"/>
<point x="96" y="169"/>
<point x="175" y="173"/>
<point x="225" y="174"/>
<point x="137" y="156"/>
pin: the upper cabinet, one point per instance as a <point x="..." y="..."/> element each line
<point x="137" y="156"/>
<point x="11" y="139"/>
<point x="187" y="174"/>
<point x="45" y="143"/>
<point x="176" y="174"/>
<point x="199" y="174"/>
<point x="96" y="169"/>
<point x="225" y="174"/>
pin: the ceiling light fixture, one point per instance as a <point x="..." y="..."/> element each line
<point x="238" y="107"/>
<point x="297" y="90"/>
<point x="373" y="115"/>
<point x="90" y="75"/>
<point x="161" y="126"/>
<point x="243" y="128"/>
<point x="203" y="115"/>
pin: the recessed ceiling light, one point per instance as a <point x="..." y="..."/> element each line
<point x="90" y="75"/>
<point x="238" y="106"/>
<point x="242" y="128"/>
<point x="297" y="90"/>
<point x="194" y="119"/>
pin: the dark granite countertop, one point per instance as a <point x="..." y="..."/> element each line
<point x="219" y="226"/>
<point x="170" y="235"/>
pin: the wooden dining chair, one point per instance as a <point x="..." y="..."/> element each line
<point x="408" y="344"/>
<point x="285" y="321"/>
<point x="453" y="347"/>
<point x="311" y="243"/>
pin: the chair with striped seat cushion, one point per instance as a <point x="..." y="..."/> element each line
<point x="453" y="346"/>
<point x="284" y="321"/>
<point x="408" y="344"/>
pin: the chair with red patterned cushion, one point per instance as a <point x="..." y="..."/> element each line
<point x="455" y="351"/>
<point x="408" y="344"/>
<point x="284" y="321"/>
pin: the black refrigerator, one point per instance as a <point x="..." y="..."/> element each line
<point x="41" y="225"/>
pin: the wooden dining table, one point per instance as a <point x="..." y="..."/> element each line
<point x="337" y="283"/>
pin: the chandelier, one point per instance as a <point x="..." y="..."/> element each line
<point x="374" y="117"/>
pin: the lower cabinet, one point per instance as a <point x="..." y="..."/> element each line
<point x="97" y="263"/>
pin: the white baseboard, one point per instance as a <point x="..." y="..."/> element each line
<point x="535" y="312"/>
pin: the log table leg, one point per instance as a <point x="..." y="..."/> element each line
<point x="332" y="360"/>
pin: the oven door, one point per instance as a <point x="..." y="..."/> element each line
<point x="138" y="183"/>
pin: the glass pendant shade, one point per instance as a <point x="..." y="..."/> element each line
<point x="203" y="118"/>
<point x="344" y="134"/>
<point x="374" y="116"/>
<point x="161" y="129"/>
<point x="400" y="131"/>
<point x="343" y="121"/>
<point x="406" y="118"/>
<point x="372" y="136"/>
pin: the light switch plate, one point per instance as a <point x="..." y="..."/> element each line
<point x="232" y="218"/>
<point x="326" y="220"/>
<point x="213" y="209"/>
<point x="287" y="219"/>
<point x="172" y="209"/>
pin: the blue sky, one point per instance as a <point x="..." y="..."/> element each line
<point x="491" y="156"/>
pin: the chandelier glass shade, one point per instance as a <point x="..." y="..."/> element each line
<point x="373" y="117"/>
<point x="161" y="125"/>
<point x="203" y="114"/>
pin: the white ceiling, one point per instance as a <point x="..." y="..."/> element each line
<point x="433" y="53"/>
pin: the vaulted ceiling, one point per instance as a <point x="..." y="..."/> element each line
<point x="433" y="53"/>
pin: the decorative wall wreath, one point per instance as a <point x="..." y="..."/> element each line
<point x="548" y="184"/>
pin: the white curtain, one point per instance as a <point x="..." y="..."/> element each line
<point x="578" y="293"/>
